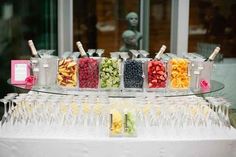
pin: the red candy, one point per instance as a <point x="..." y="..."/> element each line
<point x="157" y="75"/>
<point x="88" y="73"/>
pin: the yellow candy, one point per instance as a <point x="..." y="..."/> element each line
<point x="71" y="64"/>
<point x="193" y="110"/>
<point x="146" y="109"/>
<point x="67" y="73"/>
<point x="179" y="73"/>
<point x="205" y="111"/>
<point x="158" y="111"/>
<point x="97" y="109"/>
<point x="29" y="108"/>
<point x="86" y="108"/>
<point x="74" y="109"/>
<point x="63" y="108"/>
<point x="117" y="124"/>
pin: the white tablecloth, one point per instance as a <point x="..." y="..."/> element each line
<point x="165" y="143"/>
<point x="116" y="148"/>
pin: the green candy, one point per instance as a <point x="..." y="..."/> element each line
<point x="109" y="73"/>
<point x="130" y="124"/>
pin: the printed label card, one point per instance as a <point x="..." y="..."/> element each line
<point x="20" y="70"/>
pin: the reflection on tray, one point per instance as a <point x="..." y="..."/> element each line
<point x="215" y="86"/>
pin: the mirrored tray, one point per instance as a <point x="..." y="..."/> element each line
<point x="215" y="86"/>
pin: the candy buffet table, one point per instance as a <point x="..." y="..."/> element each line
<point x="32" y="139"/>
<point x="165" y="143"/>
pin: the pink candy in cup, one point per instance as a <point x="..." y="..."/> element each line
<point x="30" y="80"/>
<point x="205" y="85"/>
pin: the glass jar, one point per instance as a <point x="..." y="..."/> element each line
<point x="179" y="73"/>
<point x="157" y="74"/>
<point x="133" y="75"/>
<point x="130" y="127"/>
<point x="110" y="73"/>
<point x="116" y="122"/>
<point x="88" y="73"/>
<point x="67" y="73"/>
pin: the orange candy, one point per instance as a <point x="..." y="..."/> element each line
<point x="67" y="73"/>
<point x="179" y="73"/>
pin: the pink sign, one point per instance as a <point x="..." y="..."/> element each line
<point x="20" y="70"/>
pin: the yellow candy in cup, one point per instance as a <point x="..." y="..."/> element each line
<point x="116" y="123"/>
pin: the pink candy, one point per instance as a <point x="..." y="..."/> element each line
<point x="156" y="74"/>
<point x="88" y="73"/>
<point x="205" y="85"/>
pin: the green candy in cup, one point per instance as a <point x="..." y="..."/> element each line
<point x="130" y="124"/>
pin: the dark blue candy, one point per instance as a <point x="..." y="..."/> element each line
<point x="133" y="74"/>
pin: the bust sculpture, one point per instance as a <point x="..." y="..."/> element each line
<point x="130" y="41"/>
<point x="131" y="36"/>
<point x="132" y="19"/>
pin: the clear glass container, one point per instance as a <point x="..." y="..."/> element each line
<point x="130" y="124"/>
<point x="133" y="74"/>
<point x="110" y="77"/>
<point x="201" y="75"/>
<point x="67" y="73"/>
<point x="116" y="120"/>
<point x="88" y="73"/>
<point x="45" y="70"/>
<point x="156" y="74"/>
<point x="179" y="73"/>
